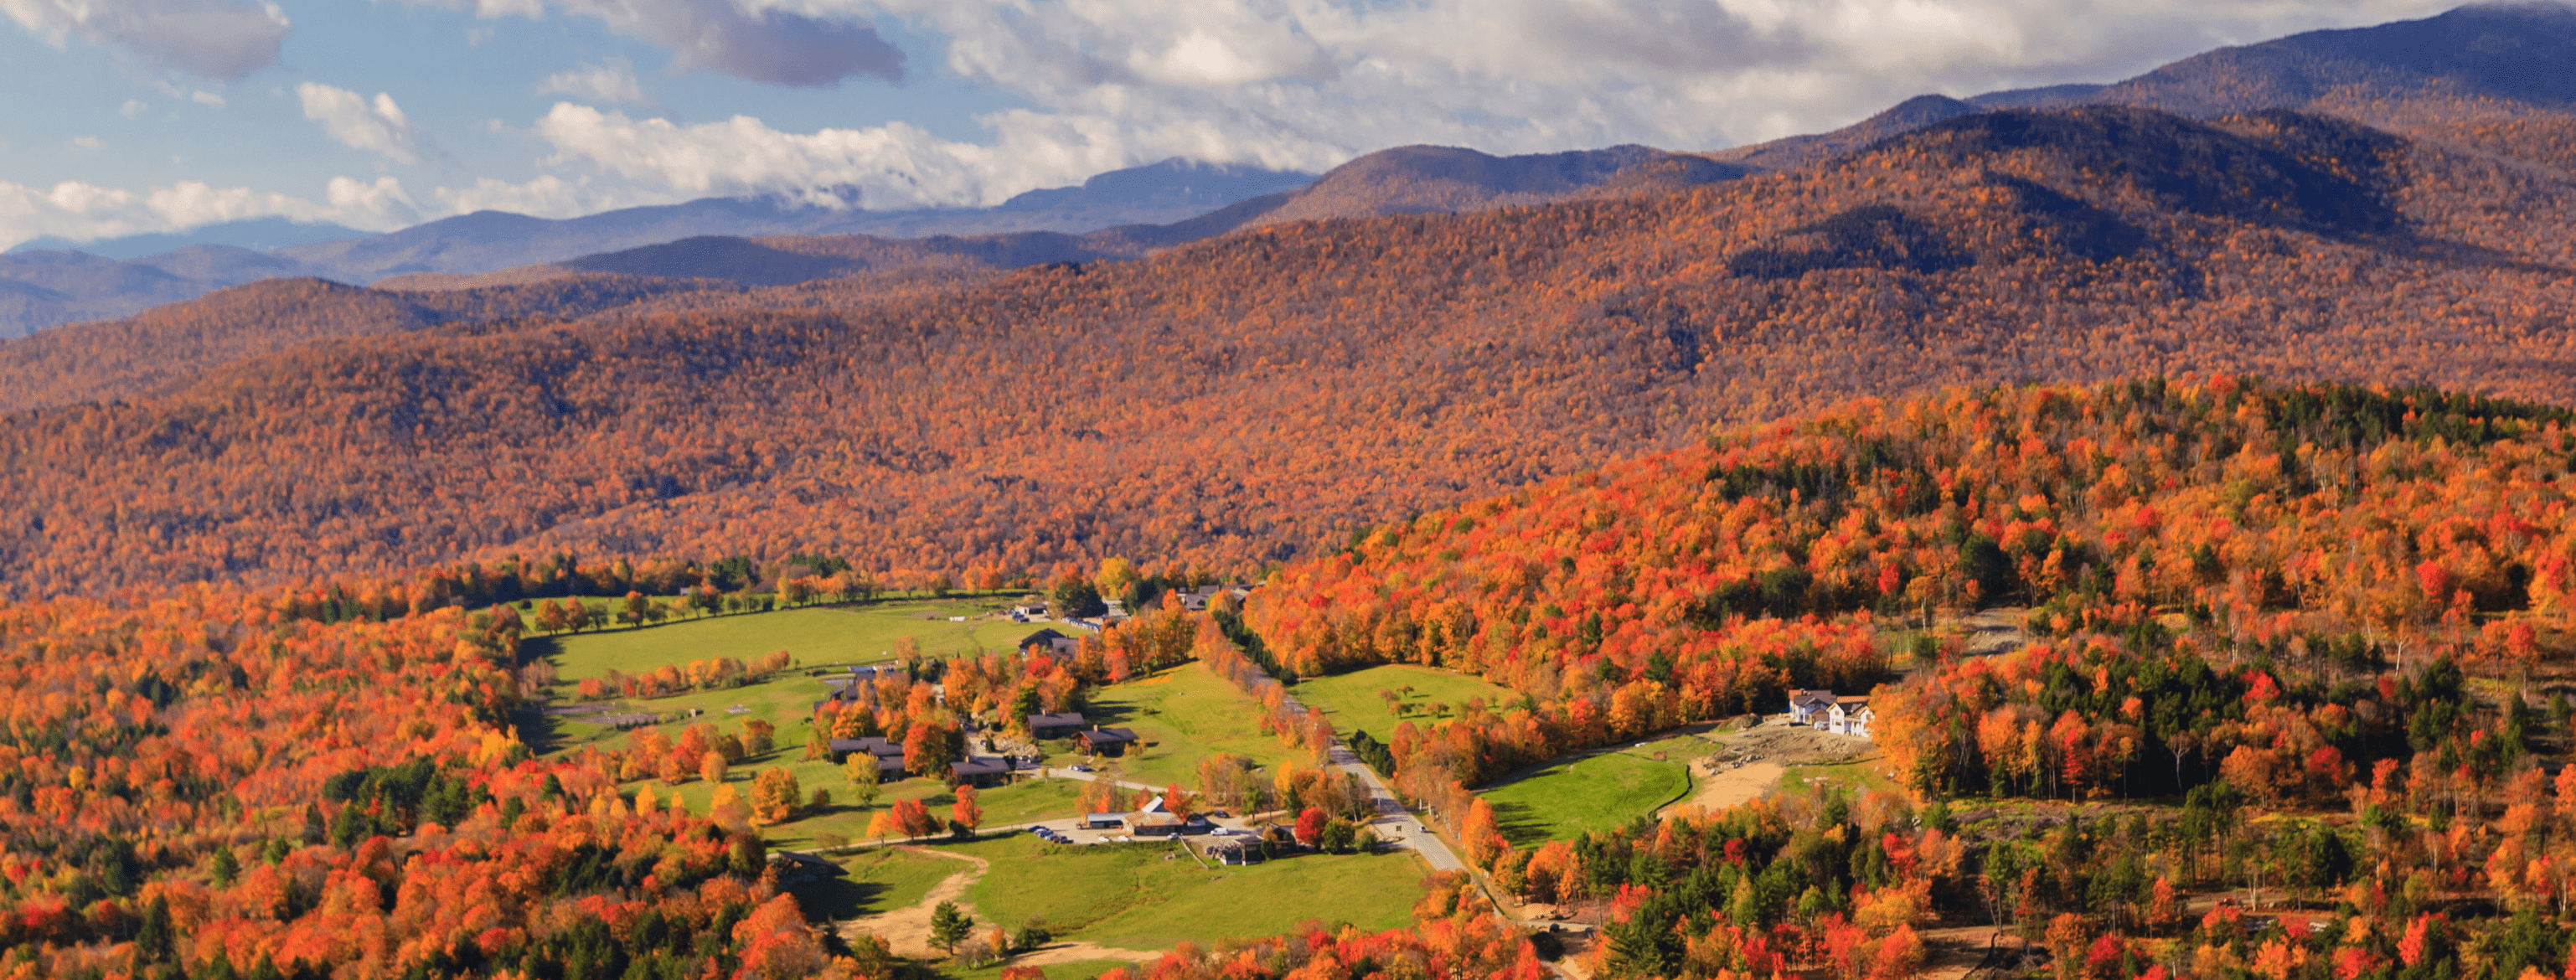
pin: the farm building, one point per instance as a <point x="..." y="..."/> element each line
<point x="982" y="770"/>
<point x="1055" y="725"/>
<point x="1106" y="741"/>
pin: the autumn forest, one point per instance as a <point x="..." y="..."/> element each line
<point x="2187" y="479"/>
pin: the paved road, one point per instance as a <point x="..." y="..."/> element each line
<point x="1394" y="822"/>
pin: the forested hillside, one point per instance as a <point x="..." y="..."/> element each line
<point x="2288" y="648"/>
<point x="2331" y="531"/>
<point x="1236" y="401"/>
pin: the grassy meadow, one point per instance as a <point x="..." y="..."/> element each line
<point x="1351" y="700"/>
<point x="1136" y="898"/>
<point x="879" y="881"/>
<point x="817" y="636"/>
<point x="1572" y="797"/>
<point x="1185" y="714"/>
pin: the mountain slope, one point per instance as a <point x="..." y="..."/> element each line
<point x="40" y="289"/>
<point x="1239" y="400"/>
<point x="115" y="359"/>
<point x="2459" y="76"/>
<point x="1414" y="179"/>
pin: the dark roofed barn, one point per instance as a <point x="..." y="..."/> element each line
<point x="1055" y="725"/>
<point x="1106" y="741"/>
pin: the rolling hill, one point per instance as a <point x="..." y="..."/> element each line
<point x="1242" y="399"/>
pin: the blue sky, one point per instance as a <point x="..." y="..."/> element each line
<point x="130" y="116"/>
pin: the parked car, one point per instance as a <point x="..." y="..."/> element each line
<point x="1080" y="768"/>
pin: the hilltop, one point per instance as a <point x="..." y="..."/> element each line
<point x="1240" y="399"/>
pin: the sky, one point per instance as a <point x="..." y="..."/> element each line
<point x="133" y="116"/>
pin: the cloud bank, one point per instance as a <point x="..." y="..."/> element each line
<point x="226" y="39"/>
<point x="1310" y="83"/>
<point x="83" y="212"/>
<point x="762" y="42"/>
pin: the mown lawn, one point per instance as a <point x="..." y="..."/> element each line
<point x="1351" y="700"/>
<point x="1565" y="800"/>
<point x="1136" y="898"/>
<point x="1185" y="715"/>
<point x="879" y="881"/>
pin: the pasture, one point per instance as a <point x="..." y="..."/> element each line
<point x="1186" y="714"/>
<point x="1352" y="700"/>
<point x="1570" y="797"/>
<point x="1142" y="897"/>
<point x="816" y="635"/>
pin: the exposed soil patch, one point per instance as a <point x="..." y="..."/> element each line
<point x="1784" y="744"/>
<point x="1727" y="786"/>
<point x="907" y="929"/>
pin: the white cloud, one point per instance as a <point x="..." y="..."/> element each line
<point x="1531" y="75"/>
<point x="547" y="196"/>
<point x="892" y="166"/>
<point x="757" y="40"/>
<point x="86" y="212"/>
<point x="214" y="38"/>
<point x="378" y="127"/>
<point x="87" y="142"/>
<point x="1310" y="83"/>
<point x="131" y="109"/>
<point x="612" y="81"/>
<point x="202" y="97"/>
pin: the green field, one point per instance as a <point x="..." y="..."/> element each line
<point x="1351" y="700"/>
<point x="817" y="636"/>
<point x="879" y="881"/>
<point x="1023" y="802"/>
<point x="1567" y="799"/>
<point x="1132" y="898"/>
<point x="1079" y="970"/>
<point x="1185" y="715"/>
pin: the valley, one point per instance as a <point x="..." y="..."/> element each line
<point x="2089" y="532"/>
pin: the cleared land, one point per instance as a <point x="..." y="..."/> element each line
<point x="1352" y="701"/>
<point x="1185" y="714"/>
<point x="879" y="881"/>
<point x="817" y="636"/>
<point x="1152" y="898"/>
<point x="1572" y="797"/>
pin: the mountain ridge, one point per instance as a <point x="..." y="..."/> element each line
<point x="1246" y="398"/>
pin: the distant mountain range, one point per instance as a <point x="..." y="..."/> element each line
<point x="2479" y="57"/>
<point x="257" y="234"/>
<point x="44" y="287"/>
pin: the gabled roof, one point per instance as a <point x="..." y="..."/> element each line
<point x="1818" y="697"/>
<point x="872" y="745"/>
<point x="1068" y="719"/>
<point x="982" y="765"/>
<point x="1099" y="735"/>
